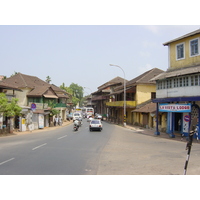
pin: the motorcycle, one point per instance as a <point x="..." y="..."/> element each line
<point x="76" y="127"/>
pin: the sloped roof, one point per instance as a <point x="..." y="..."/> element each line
<point x="113" y="81"/>
<point x="143" y="78"/>
<point x="8" y="86"/>
<point x="20" y="80"/>
<point x="182" y="37"/>
<point x="148" y="108"/>
<point x="39" y="86"/>
<point x="177" y="72"/>
<point x="40" y="90"/>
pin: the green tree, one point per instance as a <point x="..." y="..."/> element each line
<point x="9" y="109"/>
<point x="48" y="79"/>
<point x="53" y="111"/>
<point x="73" y="90"/>
<point x="77" y="92"/>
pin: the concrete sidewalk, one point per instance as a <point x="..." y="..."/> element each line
<point x="151" y="132"/>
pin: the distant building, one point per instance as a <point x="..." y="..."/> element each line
<point x="1" y="77"/>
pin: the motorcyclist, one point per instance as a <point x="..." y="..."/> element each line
<point x="76" y="123"/>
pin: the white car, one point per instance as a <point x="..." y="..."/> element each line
<point x="90" y="118"/>
<point x="95" y="124"/>
<point x="77" y="116"/>
<point x="98" y="116"/>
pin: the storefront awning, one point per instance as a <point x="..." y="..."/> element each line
<point x="177" y="99"/>
<point x="50" y="96"/>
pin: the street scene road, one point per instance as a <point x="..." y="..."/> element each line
<point x="113" y="151"/>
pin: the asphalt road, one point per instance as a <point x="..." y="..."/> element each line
<point x="114" y="151"/>
<point x="57" y="152"/>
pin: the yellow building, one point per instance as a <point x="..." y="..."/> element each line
<point x="179" y="87"/>
<point x="138" y="91"/>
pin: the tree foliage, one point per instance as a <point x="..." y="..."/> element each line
<point x="53" y="111"/>
<point x="9" y="109"/>
<point x="76" y="91"/>
<point x="48" y="79"/>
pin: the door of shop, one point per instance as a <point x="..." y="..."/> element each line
<point x="177" y="122"/>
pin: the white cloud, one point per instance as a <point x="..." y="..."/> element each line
<point x="153" y="28"/>
<point x="144" y="54"/>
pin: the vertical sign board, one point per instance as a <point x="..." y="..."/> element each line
<point x="23" y="122"/>
<point x="41" y="120"/>
<point x="186" y="120"/>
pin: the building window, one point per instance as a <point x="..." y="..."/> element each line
<point x="192" y="80"/>
<point x="153" y="95"/>
<point x="196" y="80"/>
<point x="163" y="84"/>
<point x="170" y="83"/>
<point x="167" y="83"/>
<point x="180" y="51"/>
<point x="194" y="47"/>
<point x="175" y="83"/>
<point x="186" y="81"/>
<point x="180" y="82"/>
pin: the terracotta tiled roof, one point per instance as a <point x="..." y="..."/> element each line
<point x="22" y="81"/>
<point x="8" y="86"/>
<point x="114" y="81"/>
<point x="40" y="90"/>
<point x="143" y="78"/>
<point x="39" y="86"/>
<point x="148" y="108"/>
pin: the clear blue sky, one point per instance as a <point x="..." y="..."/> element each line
<point x="82" y="53"/>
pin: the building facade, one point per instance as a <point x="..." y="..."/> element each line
<point x="36" y="98"/>
<point x="178" y="89"/>
<point x="138" y="91"/>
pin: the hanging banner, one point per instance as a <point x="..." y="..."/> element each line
<point x="165" y="107"/>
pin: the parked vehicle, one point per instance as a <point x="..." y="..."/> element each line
<point x="98" y="116"/>
<point x="69" y="116"/>
<point x="95" y="124"/>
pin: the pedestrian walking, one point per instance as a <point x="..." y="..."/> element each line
<point x="55" y="121"/>
<point x="60" y="121"/>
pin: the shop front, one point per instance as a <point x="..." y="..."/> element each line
<point x="178" y="117"/>
<point x="180" y="112"/>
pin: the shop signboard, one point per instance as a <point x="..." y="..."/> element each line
<point x="181" y="108"/>
<point x="33" y="106"/>
<point x="41" y="120"/>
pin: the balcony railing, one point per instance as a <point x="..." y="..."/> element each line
<point x="60" y="105"/>
<point x="121" y="103"/>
